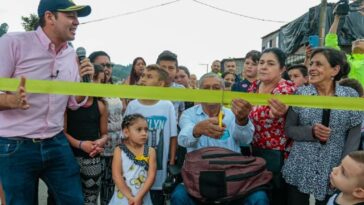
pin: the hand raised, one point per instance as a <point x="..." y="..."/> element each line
<point x="19" y="99"/>
<point x="277" y="108"/>
<point x="241" y="110"/>
<point x="210" y="128"/>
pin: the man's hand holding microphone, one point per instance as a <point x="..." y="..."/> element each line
<point x="85" y="66"/>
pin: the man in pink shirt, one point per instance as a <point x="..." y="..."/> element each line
<point x="32" y="142"/>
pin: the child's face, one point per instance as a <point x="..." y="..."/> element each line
<point x="346" y="176"/>
<point x="250" y="68"/>
<point x="229" y="80"/>
<point x="297" y="77"/>
<point x="150" y="78"/>
<point x="137" y="132"/>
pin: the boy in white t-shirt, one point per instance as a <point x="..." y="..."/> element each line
<point x="162" y="126"/>
<point x="348" y="178"/>
<point x="167" y="61"/>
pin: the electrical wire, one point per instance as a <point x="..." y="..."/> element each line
<point x="130" y="12"/>
<point x="237" y="14"/>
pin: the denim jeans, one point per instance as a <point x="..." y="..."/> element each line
<point x="180" y="197"/>
<point x="23" y="162"/>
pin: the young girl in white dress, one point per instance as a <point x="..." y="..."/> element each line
<point x="134" y="164"/>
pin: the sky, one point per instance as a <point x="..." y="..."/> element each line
<point x="198" y="34"/>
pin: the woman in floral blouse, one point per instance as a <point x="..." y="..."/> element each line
<point x="269" y="140"/>
<point x="319" y="144"/>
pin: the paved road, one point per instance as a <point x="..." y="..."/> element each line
<point x="43" y="195"/>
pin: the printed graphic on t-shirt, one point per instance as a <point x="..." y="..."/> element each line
<point x="155" y="136"/>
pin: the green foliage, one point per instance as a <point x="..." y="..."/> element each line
<point x="120" y="72"/>
<point x="30" y="22"/>
<point x="3" y="29"/>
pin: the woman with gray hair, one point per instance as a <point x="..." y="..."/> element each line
<point x="322" y="137"/>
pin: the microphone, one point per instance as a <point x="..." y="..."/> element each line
<point x="56" y="75"/>
<point x="81" y="53"/>
<point x="325" y="119"/>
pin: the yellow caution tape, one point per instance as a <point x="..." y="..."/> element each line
<point x="176" y="94"/>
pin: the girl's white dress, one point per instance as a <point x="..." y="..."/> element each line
<point x="135" y="170"/>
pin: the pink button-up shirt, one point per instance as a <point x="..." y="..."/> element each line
<point x="33" y="55"/>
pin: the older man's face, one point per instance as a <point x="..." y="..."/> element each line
<point x="211" y="84"/>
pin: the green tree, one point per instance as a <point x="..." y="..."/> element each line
<point x="3" y="29"/>
<point x="30" y="22"/>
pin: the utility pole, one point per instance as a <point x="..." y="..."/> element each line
<point x="207" y="66"/>
<point x="322" y="23"/>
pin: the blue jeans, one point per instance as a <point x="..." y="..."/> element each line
<point x="180" y="197"/>
<point x="23" y="162"/>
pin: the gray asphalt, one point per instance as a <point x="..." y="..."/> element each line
<point x="43" y="194"/>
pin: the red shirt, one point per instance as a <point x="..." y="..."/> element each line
<point x="269" y="132"/>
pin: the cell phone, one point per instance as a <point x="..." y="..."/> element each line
<point x="314" y="41"/>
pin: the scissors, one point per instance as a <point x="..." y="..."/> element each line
<point x="221" y="113"/>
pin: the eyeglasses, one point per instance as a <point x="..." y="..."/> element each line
<point x="211" y="87"/>
<point x="108" y="65"/>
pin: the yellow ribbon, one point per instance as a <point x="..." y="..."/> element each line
<point x="142" y="158"/>
<point x="175" y="94"/>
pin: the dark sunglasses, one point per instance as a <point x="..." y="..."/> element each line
<point x="108" y="65"/>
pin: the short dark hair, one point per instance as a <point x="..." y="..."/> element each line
<point x="254" y="55"/>
<point x="285" y="75"/>
<point x="358" y="156"/>
<point x="352" y="83"/>
<point x="162" y="74"/>
<point x="96" y="54"/>
<point x="185" y="69"/>
<point x="228" y="73"/>
<point x="167" y="56"/>
<point x="42" y="21"/>
<point x="280" y="55"/>
<point x="334" y="57"/>
<point x="302" y="68"/>
<point x="229" y="60"/>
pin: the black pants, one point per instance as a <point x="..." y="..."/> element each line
<point x="107" y="184"/>
<point x="157" y="197"/>
<point x="295" y="197"/>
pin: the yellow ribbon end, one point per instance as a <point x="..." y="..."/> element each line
<point x="142" y="158"/>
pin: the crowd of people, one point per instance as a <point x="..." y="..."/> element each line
<point x="117" y="151"/>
